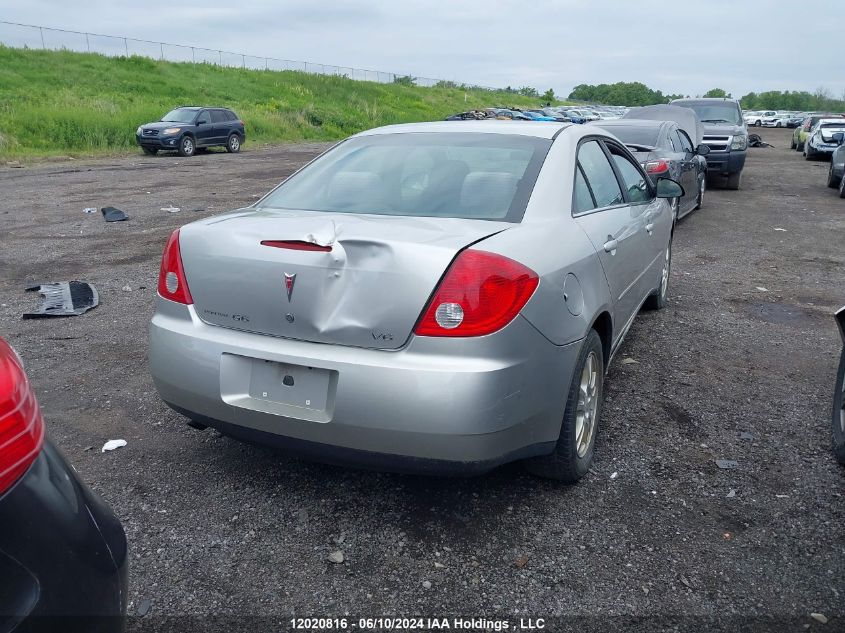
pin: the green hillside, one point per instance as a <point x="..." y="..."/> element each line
<point x="59" y="102"/>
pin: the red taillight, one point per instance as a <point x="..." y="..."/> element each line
<point x="481" y="293"/>
<point x="296" y="245"/>
<point x="658" y="166"/>
<point x="171" y="277"/>
<point x="21" y="426"/>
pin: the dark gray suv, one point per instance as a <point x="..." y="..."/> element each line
<point x="725" y="133"/>
<point x="189" y="129"/>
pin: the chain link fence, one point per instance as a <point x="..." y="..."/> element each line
<point x="18" y="35"/>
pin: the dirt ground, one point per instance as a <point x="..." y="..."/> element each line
<point x="740" y="366"/>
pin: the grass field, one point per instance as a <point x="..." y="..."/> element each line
<point x="60" y="102"/>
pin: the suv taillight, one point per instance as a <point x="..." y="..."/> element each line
<point x="480" y="294"/>
<point x="21" y="425"/>
<point x="171" y="277"/>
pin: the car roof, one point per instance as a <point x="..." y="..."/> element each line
<point x="648" y="123"/>
<point x="705" y="100"/>
<point x="539" y="129"/>
<point x="201" y="108"/>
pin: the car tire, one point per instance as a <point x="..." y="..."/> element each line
<point x="187" y="146"/>
<point x="150" y="151"/>
<point x="838" y="417"/>
<point x="734" y="181"/>
<point x="573" y="453"/>
<point x="832" y="180"/>
<point x="758" y="123"/>
<point x="702" y="187"/>
<point x="808" y="154"/>
<point x="658" y="299"/>
<point x="233" y="144"/>
<point x="842" y="187"/>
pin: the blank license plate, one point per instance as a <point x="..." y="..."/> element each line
<point x="294" y="385"/>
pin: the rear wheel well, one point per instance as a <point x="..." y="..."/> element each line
<point x="603" y="325"/>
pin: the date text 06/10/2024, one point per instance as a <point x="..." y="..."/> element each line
<point x="419" y="624"/>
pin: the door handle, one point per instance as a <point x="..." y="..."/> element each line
<point x="610" y="246"/>
<point x="649" y="227"/>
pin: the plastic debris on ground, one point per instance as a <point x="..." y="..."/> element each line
<point x="112" y="214"/>
<point x="727" y="464"/>
<point x="63" y="298"/>
<point x="89" y="210"/>
<point x="171" y="209"/>
<point x="112" y="445"/>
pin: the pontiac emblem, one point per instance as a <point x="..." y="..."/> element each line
<point x="289" y="281"/>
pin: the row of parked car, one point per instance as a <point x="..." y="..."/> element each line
<point x="557" y="113"/>
<point x="823" y="136"/>
<point x="773" y="118"/>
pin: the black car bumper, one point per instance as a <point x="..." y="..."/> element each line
<point x="63" y="554"/>
<point x="725" y="163"/>
<point x="170" y="142"/>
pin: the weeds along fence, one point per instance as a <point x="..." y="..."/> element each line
<point x="17" y="35"/>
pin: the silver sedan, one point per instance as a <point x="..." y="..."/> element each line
<point x="436" y="297"/>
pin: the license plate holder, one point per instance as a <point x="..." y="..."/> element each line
<point x="292" y="385"/>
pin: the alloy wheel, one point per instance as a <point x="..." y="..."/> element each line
<point x="588" y="402"/>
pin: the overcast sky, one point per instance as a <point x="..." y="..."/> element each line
<point x="686" y="46"/>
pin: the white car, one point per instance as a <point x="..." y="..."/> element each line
<point x="821" y="143"/>
<point x="756" y="118"/>
<point x="778" y="120"/>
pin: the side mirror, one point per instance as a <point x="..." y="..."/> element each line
<point x="839" y="137"/>
<point x="668" y="188"/>
<point x="702" y="150"/>
<point x="202" y="122"/>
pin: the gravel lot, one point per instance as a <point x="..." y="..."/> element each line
<point x="740" y="366"/>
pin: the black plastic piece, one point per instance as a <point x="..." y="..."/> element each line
<point x="63" y="298"/>
<point x="112" y="214"/>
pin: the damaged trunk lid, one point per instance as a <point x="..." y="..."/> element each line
<point x="343" y="279"/>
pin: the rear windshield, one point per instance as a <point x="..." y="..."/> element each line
<point x="646" y="136"/>
<point x="715" y="112"/>
<point x="180" y="115"/>
<point x="450" y="175"/>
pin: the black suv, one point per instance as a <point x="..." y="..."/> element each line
<point x="191" y="128"/>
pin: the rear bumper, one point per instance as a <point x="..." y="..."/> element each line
<point x="436" y="405"/>
<point x="825" y="149"/>
<point x="725" y="163"/>
<point x="64" y="551"/>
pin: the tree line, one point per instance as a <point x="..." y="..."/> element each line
<point x="638" y="94"/>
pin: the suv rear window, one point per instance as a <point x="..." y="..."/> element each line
<point x="454" y="175"/>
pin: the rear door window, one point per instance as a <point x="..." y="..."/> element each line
<point x="599" y="175"/>
<point x="685" y="141"/>
<point x="218" y="116"/>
